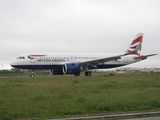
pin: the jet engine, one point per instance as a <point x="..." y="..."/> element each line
<point x="58" y="70"/>
<point x="69" y="68"/>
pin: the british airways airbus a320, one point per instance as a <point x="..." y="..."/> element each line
<point x="74" y="63"/>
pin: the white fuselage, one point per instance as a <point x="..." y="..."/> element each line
<point x="48" y="60"/>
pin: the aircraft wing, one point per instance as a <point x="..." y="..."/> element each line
<point x="103" y="60"/>
<point x="100" y="61"/>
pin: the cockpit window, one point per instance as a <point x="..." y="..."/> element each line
<point x="21" y="57"/>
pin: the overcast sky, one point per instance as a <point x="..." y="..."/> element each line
<point x="90" y="26"/>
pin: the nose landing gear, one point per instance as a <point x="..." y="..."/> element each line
<point x="32" y="74"/>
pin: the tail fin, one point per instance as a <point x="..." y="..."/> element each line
<point x="135" y="46"/>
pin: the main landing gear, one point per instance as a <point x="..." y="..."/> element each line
<point x="77" y="74"/>
<point x="32" y="74"/>
<point x="88" y="73"/>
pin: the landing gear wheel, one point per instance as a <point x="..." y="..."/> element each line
<point x="78" y="74"/>
<point x="88" y="73"/>
<point x="31" y="75"/>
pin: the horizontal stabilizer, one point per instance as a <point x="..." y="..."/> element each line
<point x="144" y="56"/>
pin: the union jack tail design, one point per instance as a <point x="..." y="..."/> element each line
<point x="136" y="45"/>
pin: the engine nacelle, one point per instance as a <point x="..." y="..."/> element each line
<point x="58" y="70"/>
<point x="66" y="69"/>
<point x="72" y="68"/>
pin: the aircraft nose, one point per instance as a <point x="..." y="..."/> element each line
<point x="13" y="64"/>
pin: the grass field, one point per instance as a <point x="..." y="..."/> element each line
<point x="51" y="96"/>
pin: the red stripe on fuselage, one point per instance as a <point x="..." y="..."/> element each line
<point x="37" y="55"/>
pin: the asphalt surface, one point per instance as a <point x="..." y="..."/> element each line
<point x="148" y="118"/>
<point x="132" y="116"/>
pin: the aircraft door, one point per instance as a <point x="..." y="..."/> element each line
<point x="33" y="60"/>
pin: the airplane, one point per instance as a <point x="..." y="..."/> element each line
<point x="74" y="63"/>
